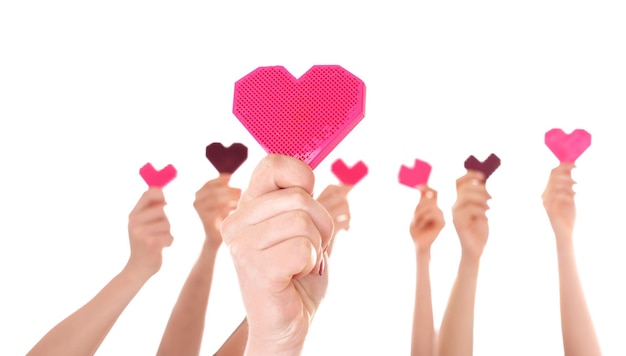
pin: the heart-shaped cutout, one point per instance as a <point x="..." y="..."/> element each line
<point x="305" y="118"/>
<point x="226" y="159"/>
<point x="157" y="179"/>
<point x="415" y="176"/>
<point x="487" y="167"/>
<point x="567" y="148"/>
<point x="349" y="175"/>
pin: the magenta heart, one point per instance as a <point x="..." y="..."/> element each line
<point x="567" y="148"/>
<point x="157" y="179"/>
<point x="349" y="175"/>
<point x="226" y="159"/>
<point x="305" y="118"/>
<point x="415" y="176"/>
<point x="487" y="167"/>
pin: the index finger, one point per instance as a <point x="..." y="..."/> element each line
<point x="427" y="192"/>
<point x="151" y="197"/>
<point x="472" y="176"/>
<point x="277" y="172"/>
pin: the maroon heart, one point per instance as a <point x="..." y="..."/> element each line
<point x="226" y="159"/>
<point x="487" y="167"/>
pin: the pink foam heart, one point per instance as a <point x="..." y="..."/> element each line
<point x="157" y="179"/>
<point x="304" y="118"/>
<point x="415" y="176"/>
<point x="567" y="148"/>
<point x="349" y="175"/>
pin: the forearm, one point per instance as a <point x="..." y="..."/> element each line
<point x="184" y="330"/>
<point x="579" y="336"/>
<point x="456" y="336"/>
<point x="235" y="345"/>
<point x="423" y="336"/>
<point x="82" y="332"/>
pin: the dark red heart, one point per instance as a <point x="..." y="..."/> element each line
<point x="349" y="175"/>
<point x="226" y="159"/>
<point x="157" y="179"/>
<point x="487" y="167"/>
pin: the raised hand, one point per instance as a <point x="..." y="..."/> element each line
<point x="469" y="213"/>
<point x="335" y="199"/>
<point x="427" y="220"/>
<point x="277" y="237"/>
<point x="214" y="201"/>
<point x="83" y="331"/>
<point x="185" y="328"/>
<point x="425" y="226"/>
<point x="558" y="200"/>
<point x="149" y="233"/>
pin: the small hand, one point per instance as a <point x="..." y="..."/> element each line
<point x="427" y="220"/>
<point x="149" y="233"/>
<point x="469" y="213"/>
<point x="335" y="199"/>
<point x="214" y="201"/>
<point x="558" y="200"/>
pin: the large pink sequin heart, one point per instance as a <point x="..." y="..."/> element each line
<point x="304" y="117"/>
<point x="567" y="148"/>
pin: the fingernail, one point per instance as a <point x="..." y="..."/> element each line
<point x="321" y="267"/>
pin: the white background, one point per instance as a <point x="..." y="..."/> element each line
<point x="89" y="92"/>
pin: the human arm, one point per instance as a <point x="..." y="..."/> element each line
<point x="335" y="199"/>
<point x="276" y="238"/>
<point x="82" y="332"/>
<point x="184" y="330"/>
<point x="425" y="226"/>
<point x="456" y="335"/>
<point x="579" y="335"/>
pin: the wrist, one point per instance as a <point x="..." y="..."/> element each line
<point x="133" y="275"/>
<point x="564" y="245"/>
<point x="211" y="247"/>
<point x="257" y="347"/>
<point x="422" y="253"/>
<point x="470" y="259"/>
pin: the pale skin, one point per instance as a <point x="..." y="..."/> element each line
<point x="579" y="336"/>
<point x="82" y="332"/>
<point x="456" y="335"/>
<point x="277" y="238"/>
<point x="425" y="226"/>
<point x="335" y="199"/>
<point x="185" y="328"/>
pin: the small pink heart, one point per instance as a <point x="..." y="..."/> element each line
<point x="305" y="118"/>
<point x="487" y="167"/>
<point x="567" y="148"/>
<point x="157" y="179"/>
<point x="226" y="159"/>
<point x="349" y="175"/>
<point x="415" y="176"/>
